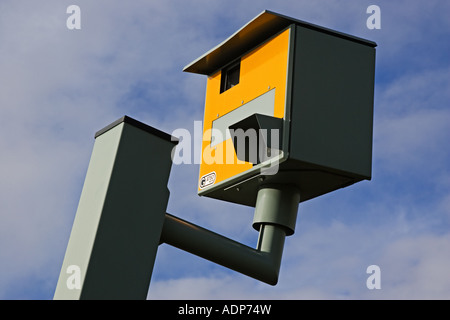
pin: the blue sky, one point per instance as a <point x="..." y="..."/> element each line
<point x="59" y="86"/>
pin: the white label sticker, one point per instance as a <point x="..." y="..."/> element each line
<point x="207" y="180"/>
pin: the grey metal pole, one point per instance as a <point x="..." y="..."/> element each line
<point x="262" y="263"/>
<point x="117" y="227"/>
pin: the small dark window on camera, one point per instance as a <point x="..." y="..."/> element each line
<point x="230" y="76"/>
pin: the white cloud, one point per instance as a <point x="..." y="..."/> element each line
<point x="416" y="267"/>
<point x="414" y="141"/>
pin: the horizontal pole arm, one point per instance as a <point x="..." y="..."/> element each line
<point x="262" y="263"/>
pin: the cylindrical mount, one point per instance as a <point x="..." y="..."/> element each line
<point x="277" y="205"/>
